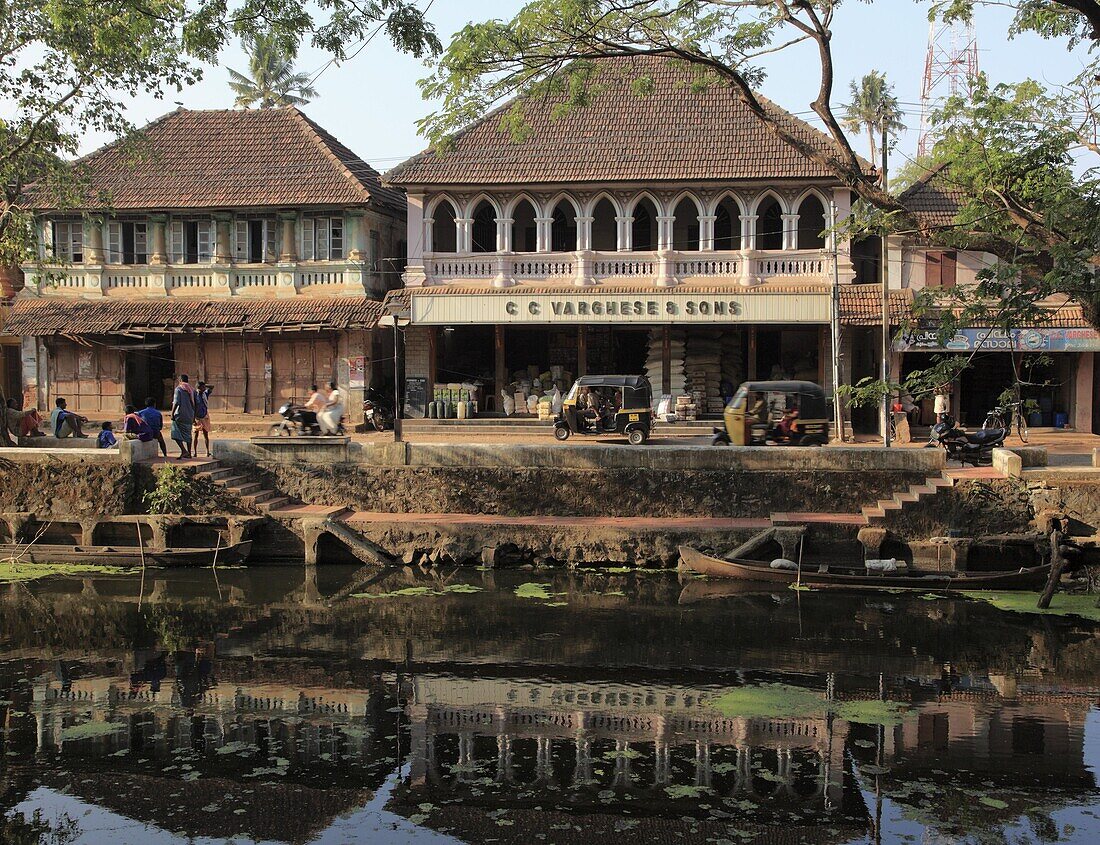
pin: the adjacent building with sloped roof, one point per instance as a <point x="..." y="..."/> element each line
<point x="250" y="249"/>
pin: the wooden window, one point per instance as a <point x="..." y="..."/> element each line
<point x="191" y="241"/>
<point x="175" y="246"/>
<point x="240" y="240"/>
<point x="306" y="249"/>
<point x="322" y="239"/>
<point x="375" y="251"/>
<point x="68" y="240"/>
<point x="127" y="242"/>
<point x="940" y="269"/>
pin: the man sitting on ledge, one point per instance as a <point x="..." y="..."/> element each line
<point x="65" y="423"/>
<point x="22" y="423"/>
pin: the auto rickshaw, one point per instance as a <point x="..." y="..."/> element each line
<point x="775" y="413"/>
<point x="621" y="405"/>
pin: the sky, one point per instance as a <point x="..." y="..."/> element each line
<point x="372" y="102"/>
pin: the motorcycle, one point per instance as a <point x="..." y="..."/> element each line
<point x="297" y="422"/>
<point x="376" y="411"/>
<point x="966" y="447"/>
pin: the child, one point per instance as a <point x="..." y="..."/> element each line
<point x="106" y="439"/>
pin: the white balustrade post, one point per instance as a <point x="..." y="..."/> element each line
<point x="504" y="234"/>
<point x="543" y="233"/>
<point x="624" y="233"/>
<point x="790" y="231"/>
<point x="748" y="249"/>
<point x="706" y="233"/>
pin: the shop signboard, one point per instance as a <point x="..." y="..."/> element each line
<point x="416" y="397"/>
<point x="619" y="308"/>
<point x="1001" y="340"/>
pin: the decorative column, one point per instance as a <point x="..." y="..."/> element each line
<point x="624" y="227"/>
<point x="584" y="232"/>
<point x="359" y="276"/>
<point x="418" y="240"/>
<point x="94" y="256"/>
<point x="665" y="275"/>
<point x="159" y="252"/>
<point x="748" y="247"/>
<point x="706" y="233"/>
<point x="504" y="234"/>
<point x="790" y="231"/>
<point x="543" y="233"/>
<point x="465" y="234"/>
<point x="583" y="261"/>
<point x="357" y="236"/>
<point x="223" y="252"/>
<point x="842" y="199"/>
<point x="288" y="257"/>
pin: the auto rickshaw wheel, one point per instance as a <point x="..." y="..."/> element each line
<point x="719" y="440"/>
<point x="636" y="437"/>
<point x="561" y="432"/>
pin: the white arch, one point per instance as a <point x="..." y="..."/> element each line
<point x="435" y="201"/>
<point x="513" y="204"/>
<point x="762" y="198"/>
<point x="472" y="205"/>
<point x="712" y="206"/>
<point x="548" y="211"/>
<point x="801" y="198"/>
<point x="680" y="197"/>
<point x="590" y="207"/>
<point x="633" y="204"/>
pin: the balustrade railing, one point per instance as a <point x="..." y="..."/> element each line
<point x="631" y="266"/>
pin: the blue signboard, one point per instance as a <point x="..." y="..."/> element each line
<point x="999" y="340"/>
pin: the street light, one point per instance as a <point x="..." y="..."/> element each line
<point x="395" y="322"/>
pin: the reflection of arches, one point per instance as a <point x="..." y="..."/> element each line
<point x="524" y="227"/>
<point x="727" y="224"/>
<point x="811" y="223"/>
<point x="444" y="228"/>
<point x="605" y="236"/>
<point x="644" y="227"/>
<point x="563" y="228"/>
<point x="484" y="231"/>
<point x="685" y="226"/>
<point x="769" y="224"/>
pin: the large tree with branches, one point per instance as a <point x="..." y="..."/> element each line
<point x="556" y="46"/>
<point x="70" y="67"/>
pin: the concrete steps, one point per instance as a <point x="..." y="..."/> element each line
<point x="898" y="502"/>
<point x="251" y="493"/>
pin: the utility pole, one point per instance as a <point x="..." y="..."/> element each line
<point x="834" y="329"/>
<point x="886" y="398"/>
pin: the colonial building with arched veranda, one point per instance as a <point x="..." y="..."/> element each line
<point x="670" y="233"/>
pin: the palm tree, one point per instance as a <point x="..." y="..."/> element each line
<point x="874" y="108"/>
<point x="271" y="80"/>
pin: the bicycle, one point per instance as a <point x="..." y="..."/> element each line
<point x="1013" y="412"/>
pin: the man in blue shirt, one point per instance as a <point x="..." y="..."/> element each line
<point x="155" y="421"/>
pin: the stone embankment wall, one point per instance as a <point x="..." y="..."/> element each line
<point x="64" y="486"/>
<point x="580" y="492"/>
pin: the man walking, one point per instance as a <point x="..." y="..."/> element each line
<point x="183" y="415"/>
<point x="202" y="417"/>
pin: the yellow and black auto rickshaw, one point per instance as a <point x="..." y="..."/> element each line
<point x="775" y="413"/>
<point x="607" y="405"/>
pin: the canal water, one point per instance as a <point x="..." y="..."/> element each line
<point x="338" y="706"/>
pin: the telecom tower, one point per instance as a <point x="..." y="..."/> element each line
<point x="950" y="68"/>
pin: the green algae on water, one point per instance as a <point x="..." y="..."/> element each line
<point x="769" y="701"/>
<point x="531" y="590"/>
<point x="12" y="572"/>
<point x="420" y="592"/>
<point x="885" y="713"/>
<point x="90" y="730"/>
<point x="1063" y="604"/>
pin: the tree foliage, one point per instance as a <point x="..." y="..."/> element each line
<point x="70" y="67"/>
<point x="873" y="109"/>
<point x="271" y="79"/>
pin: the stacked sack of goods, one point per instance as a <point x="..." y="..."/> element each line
<point x="536" y="393"/>
<point x="454" y="401"/>
<point x="686" y="408"/>
<point x="654" y="362"/>
<point x="703" y="365"/>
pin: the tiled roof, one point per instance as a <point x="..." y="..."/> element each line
<point x="933" y="200"/>
<point x="861" y="305"/>
<point x="232" y="158"/>
<point x="62" y="316"/>
<point x="672" y="133"/>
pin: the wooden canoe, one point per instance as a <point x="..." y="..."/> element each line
<point x="758" y="572"/>
<point x="124" y="555"/>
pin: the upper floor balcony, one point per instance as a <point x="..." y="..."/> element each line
<point x="666" y="238"/>
<point x="219" y="255"/>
